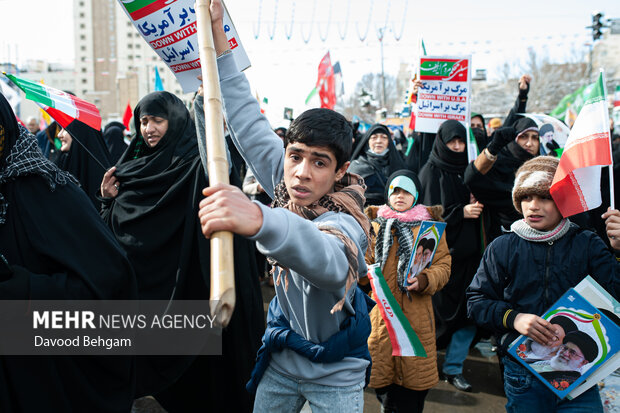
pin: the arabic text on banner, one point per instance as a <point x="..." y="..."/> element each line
<point x="445" y="93"/>
<point x="169" y="27"/>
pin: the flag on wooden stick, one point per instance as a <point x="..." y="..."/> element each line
<point x="576" y="184"/>
<point x="61" y="106"/>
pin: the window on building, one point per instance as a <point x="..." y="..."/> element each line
<point x="83" y="48"/>
<point x="84" y="81"/>
<point x="83" y="70"/>
<point x="82" y="26"/>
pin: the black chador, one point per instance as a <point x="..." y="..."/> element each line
<point x="56" y="247"/>
<point x="155" y="218"/>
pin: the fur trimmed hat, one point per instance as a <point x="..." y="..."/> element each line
<point x="534" y="177"/>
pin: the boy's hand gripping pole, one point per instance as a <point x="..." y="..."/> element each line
<point x="222" y="260"/>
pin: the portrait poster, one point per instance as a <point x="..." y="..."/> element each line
<point x="588" y="339"/>
<point x="553" y="133"/>
<point x="424" y="248"/>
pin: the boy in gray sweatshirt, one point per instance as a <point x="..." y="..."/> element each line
<point x="315" y="236"/>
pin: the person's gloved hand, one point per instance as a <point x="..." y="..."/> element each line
<point x="551" y="147"/>
<point x="501" y="137"/>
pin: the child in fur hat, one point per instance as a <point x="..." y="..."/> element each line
<point x="402" y="383"/>
<point x="524" y="272"/>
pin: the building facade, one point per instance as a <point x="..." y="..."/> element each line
<point x="113" y="64"/>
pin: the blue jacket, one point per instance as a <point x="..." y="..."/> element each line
<point x="350" y="341"/>
<point x="529" y="277"/>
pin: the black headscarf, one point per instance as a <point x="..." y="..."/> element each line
<point x="479" y="115"/>
<point x="20" y="156"/>
<point x="87" y="159"/>
<point x="150" y="210"/>
<point x="375" y="169"/>
<point x="155" y="218"/>
<point x="442" y="183"/>
<point x="114" y="137"/>
<point x="444" y="157"/>
<point x="520" y="154"/>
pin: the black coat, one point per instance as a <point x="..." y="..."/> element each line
<point x="57" y="247"/>
<point x="114" y="137"/>
<point x="420" y="151"/>
<point x="529" y="276"/>
<point x="374" y="169"/>
<point x="442" y="183"/>
<point x="494" y="189"/>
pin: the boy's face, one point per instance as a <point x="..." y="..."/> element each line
<point x="540" y="213"/>
<point x="310" y="172"/>
<point x="401" y="200"/>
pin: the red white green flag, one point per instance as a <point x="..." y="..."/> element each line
<point x="405" y="341"/>
<point x="617" y="97"/>
<point x="61" y="106"/>
<point x="576" y="185"/>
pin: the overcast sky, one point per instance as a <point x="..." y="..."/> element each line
<point x="492" y="31"/>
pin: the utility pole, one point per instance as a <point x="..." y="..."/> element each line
<point x="381" y="36"/>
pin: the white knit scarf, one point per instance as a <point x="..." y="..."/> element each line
<point x="522" y="229"/>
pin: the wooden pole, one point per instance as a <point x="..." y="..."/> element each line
<point x="222" y="260"/>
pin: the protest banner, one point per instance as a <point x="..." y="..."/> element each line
<point x="445" y="93"/>
<point x="169" y="27"/>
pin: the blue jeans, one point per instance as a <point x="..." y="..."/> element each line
<point x="527" y="394"/>
<point x="277" y="393"/>
<point x="457" y="350"/>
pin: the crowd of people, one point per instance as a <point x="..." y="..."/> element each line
<point x="85" y="216"/>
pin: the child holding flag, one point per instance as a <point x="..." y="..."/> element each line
<point x="402" y="382"/>
<point x="524" y="272"/>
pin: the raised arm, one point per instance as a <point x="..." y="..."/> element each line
<point x="251" y="133"/>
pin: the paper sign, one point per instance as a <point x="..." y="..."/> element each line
<point x="445" y="93"/>
<point x="169" y="27"/>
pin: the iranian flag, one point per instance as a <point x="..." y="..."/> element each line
<point x="405" y="341"/>
<point x="617" y="97"/>
<point x="138" y="9"/>
<point x="61" y="106"/>
<point x="576" y="184"/>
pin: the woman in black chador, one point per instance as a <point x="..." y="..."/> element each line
<point x="151" y="203"/>
<point x="375" y="159"/>
<point x="84" y="154"/>
<point x="442" y="183"/>
<point x="54" y="246"/>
